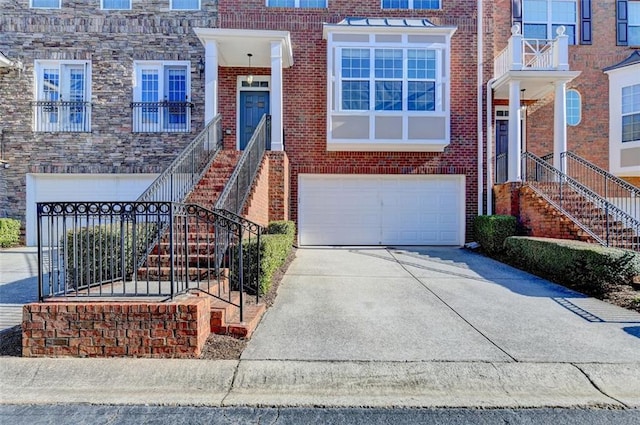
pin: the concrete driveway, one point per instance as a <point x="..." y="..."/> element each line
<point x="434" y="304"/>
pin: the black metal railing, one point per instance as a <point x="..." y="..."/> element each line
<point x="602" y="220"/>
<point x="181" y="176"/>
<point x="157" y="117"/>
<point x="620" y="193"/>
<point x="237" y="189"/>
<point x="62" y="116"/>
<point x="93" y="249"/>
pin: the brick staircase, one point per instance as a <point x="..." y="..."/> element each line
<point x="198" y="263"/>
<point x="548" y="220"/>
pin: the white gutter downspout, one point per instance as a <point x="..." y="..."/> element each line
<point x="490" y="146"/>
<point x="480" y="30"/>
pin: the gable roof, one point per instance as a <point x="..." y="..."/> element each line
<point x="633" y="59"/>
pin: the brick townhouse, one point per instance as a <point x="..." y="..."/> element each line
<point x="377" y="104"/>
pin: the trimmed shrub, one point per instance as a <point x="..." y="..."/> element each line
<point x="492" y="230"/>
<point x="275" y="246"/>
<point x="95" y="254"/>
<point x="9" y="232"/>
<point x="585" y="267"/>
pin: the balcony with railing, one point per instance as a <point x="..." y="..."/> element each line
<point x="161" y="117"/>
<point x="62" y="116"/>
<point x="522" y="54"/>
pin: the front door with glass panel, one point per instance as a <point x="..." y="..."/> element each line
<point x="253" y="105"/>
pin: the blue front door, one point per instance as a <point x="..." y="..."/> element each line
<point x="253" y="105"/>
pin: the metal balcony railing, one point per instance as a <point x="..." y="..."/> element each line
<point x="62" y="116"/>
<point x="158" y="117"/>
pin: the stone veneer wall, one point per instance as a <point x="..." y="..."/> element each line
<point x="111" y="40"/>
<point x="117" y="329"/>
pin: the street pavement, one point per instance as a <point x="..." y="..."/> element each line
<point x="424" y="327"/>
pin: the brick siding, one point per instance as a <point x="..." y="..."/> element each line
<point x="257" y="206"/>
<point x="279" y="193"/>
<point x="116" y="329"/>
<point x="305" y="93"/>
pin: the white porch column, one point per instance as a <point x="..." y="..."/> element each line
<point x="210" y="81"/>
<point x="514" y="172"/>
<point x="560" y="126"/>
<point x="277" y="144"/>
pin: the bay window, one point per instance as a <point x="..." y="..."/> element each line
<point x="631" y="113"/>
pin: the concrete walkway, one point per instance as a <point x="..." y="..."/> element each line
<point x="18" y="283"/>
<point x="428" y="327"/>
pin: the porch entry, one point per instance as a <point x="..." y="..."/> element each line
<point x="502" y="143"/>
<point x="253" y="105"/>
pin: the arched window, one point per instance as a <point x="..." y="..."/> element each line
<point x="574" y="107"/>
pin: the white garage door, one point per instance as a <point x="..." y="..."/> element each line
<point x="381" y="209"/>
<point x="80" y="187"/>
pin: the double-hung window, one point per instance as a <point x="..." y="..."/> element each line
<point x="388" y="79"/>
<point x="631" y="113"/>
<point x="541" y="18"/>
<point x="184" y="4"/>
<point x="116" y="4"/>
<point x="411" y="4"/>
<point x="62" y="96"/>
<point x="45" y="4"/>
<point x="298" y="3"/>
<point x="161" y="97"/>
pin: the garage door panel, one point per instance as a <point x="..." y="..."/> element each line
<point x="380" y="210"/>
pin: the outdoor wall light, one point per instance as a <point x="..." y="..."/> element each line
<point x="250" y="76"/>
<point x="201" y="66"/>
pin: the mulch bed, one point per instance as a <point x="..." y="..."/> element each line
<point x="217" y="347"/>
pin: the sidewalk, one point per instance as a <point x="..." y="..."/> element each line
<point x="18" y="283"/>
<point x="428" y="327"/>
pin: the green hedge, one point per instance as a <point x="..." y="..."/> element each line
<point x="98" y="251"/>
<point x="586" y="267"/>
<point x="275" y="246"/>
<point x="9" y="232"/>
<point x="492" y="230"/>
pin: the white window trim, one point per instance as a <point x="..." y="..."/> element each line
<point x="172" y="8"/>
<point x="44" y="7"/>
<point x="160" y="66"/>
<point x="297" y="5"/>
<point x="405" y="80"/>
<point x="619" y="78"/>
<point x="115" y="8"/>
<point x="409" y="6"/>
<point x="637" y="42"/>
<point x="579" y="108"/>
<point x="623" y="114"/>
<point x="39" y="66"/>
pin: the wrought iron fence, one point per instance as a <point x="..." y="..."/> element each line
<point x="175" y="183"/>
<point x="145" y="249"/>
<point x="157" y="117"/>
<point x="615" y="190"/>
<point x="62" y="116"/>
<point x="237" y="189"/>
<point x="602" y="220"/>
